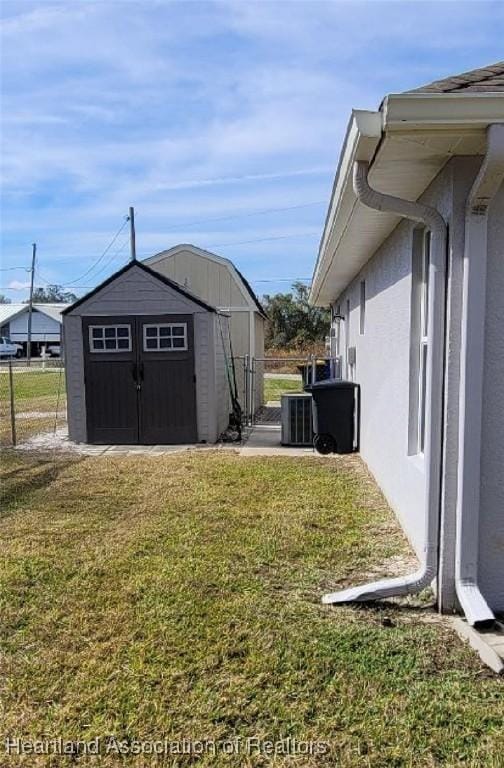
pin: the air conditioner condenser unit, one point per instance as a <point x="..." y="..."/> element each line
<point x="297" y="424"/>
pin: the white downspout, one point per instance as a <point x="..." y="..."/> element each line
<point x="434" y="400"/>
<point x="485" y="186"/>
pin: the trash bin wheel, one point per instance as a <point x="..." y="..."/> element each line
<point x="324" y="444"/>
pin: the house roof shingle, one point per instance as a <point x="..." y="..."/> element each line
<point x="488" y="79"/>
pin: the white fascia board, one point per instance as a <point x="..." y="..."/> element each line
<point x="405" y="112"/>
<point x="362" y="137"/>
<point x="442" y="110"/>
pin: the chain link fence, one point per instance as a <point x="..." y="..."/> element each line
<point x="32" y="400"/>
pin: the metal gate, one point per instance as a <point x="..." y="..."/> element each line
<point x="254" y="367"/>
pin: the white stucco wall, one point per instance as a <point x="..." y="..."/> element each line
<point x="383" y="363"/>
<point x="491" y="543"/>
<point x="382" y="370"/>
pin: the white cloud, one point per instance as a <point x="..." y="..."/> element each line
<point x="18" y="285"/>
<point x="191" y="110"/>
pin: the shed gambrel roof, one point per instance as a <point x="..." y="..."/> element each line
<point x="488" y="79"/>
<point x="239" y="277"/>
<point x="140" y="265"/>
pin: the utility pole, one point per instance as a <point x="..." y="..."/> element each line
<point x="30" y="305"/>
<point x="132" y="233"/>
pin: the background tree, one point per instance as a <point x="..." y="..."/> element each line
<point x="292" y="322"/>
<point x="4" y="299"/>
<point x="52" y="294"/>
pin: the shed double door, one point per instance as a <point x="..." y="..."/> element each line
<point x="140" y="379"/>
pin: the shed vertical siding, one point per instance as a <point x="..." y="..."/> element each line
<point x="219" y="285"/>
<point x="204" y="363"/>
<point x="73" y="352"/>
<point x="239" y="329"/>
<point x="258" y="321"/>
<point x="223" y="399"/>
<point x="204" y="277"/>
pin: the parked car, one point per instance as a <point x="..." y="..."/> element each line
<point x="54" y="350"/>
<point x="9" y="349"/>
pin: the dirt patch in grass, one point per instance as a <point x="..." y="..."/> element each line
<point x="179" y="597"/>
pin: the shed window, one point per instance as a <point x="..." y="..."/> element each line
<point x="110" y="338"/>
<point x="165" y="337"/>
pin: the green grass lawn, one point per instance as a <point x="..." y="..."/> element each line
<point x="179" y="597"/>
<point x="37" y="383"/>
<point x="275" y="388"/>
<point x="36" y="392"/>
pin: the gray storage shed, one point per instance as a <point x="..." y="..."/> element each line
<point x="145" y="363"/>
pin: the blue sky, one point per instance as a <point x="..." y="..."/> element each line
<point x="211" y="118"/>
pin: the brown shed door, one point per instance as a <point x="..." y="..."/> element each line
<point x="167" y="396"/>
<point x="140" y="382"/>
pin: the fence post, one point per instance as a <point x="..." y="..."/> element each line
<point x="246" y="385"/>
<point x="12" y="404"/>
<point x="252" y="388"/>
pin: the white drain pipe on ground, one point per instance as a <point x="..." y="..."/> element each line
<point x="433" y="220"/>
<point x="486" y="185"/>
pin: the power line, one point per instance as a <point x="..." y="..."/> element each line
<point x="263" y="239"/>
<point x="256" y="240"/>
<point x="113" y="257"/>
<point x="282" y="280"/>
<point x="104" y="267"/>
<point x="107" y="249"/>
<point x="77" y="285"/>
<point x="44" y="279"/>
<point x="11" y="269"/>
<point x="260" y="212"/>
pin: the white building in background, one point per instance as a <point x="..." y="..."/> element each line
<point x="412" y="263"/>
<point x="46" y="324"/>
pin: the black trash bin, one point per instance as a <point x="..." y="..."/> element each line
<point x="335" y="416"/>
<point x="322" y="372"/>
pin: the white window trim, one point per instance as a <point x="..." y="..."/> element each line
<point x="362" y="305"/>
<point x="95" y="351"/>
<point x="157" y="337"/>
<point x="419" y="341"/>
<point x="423" y="342"/>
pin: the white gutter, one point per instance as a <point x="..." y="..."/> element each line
<point x="434" y="401"/>
<point x="483" y="190"/>
<point x="403" y="115"/>
<point x="362" y="137"/>
<point x="442" y="110"/>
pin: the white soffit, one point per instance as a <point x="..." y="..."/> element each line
<point x="404" y="159"/>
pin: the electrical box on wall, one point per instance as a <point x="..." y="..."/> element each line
<point x="352" y="355"/>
